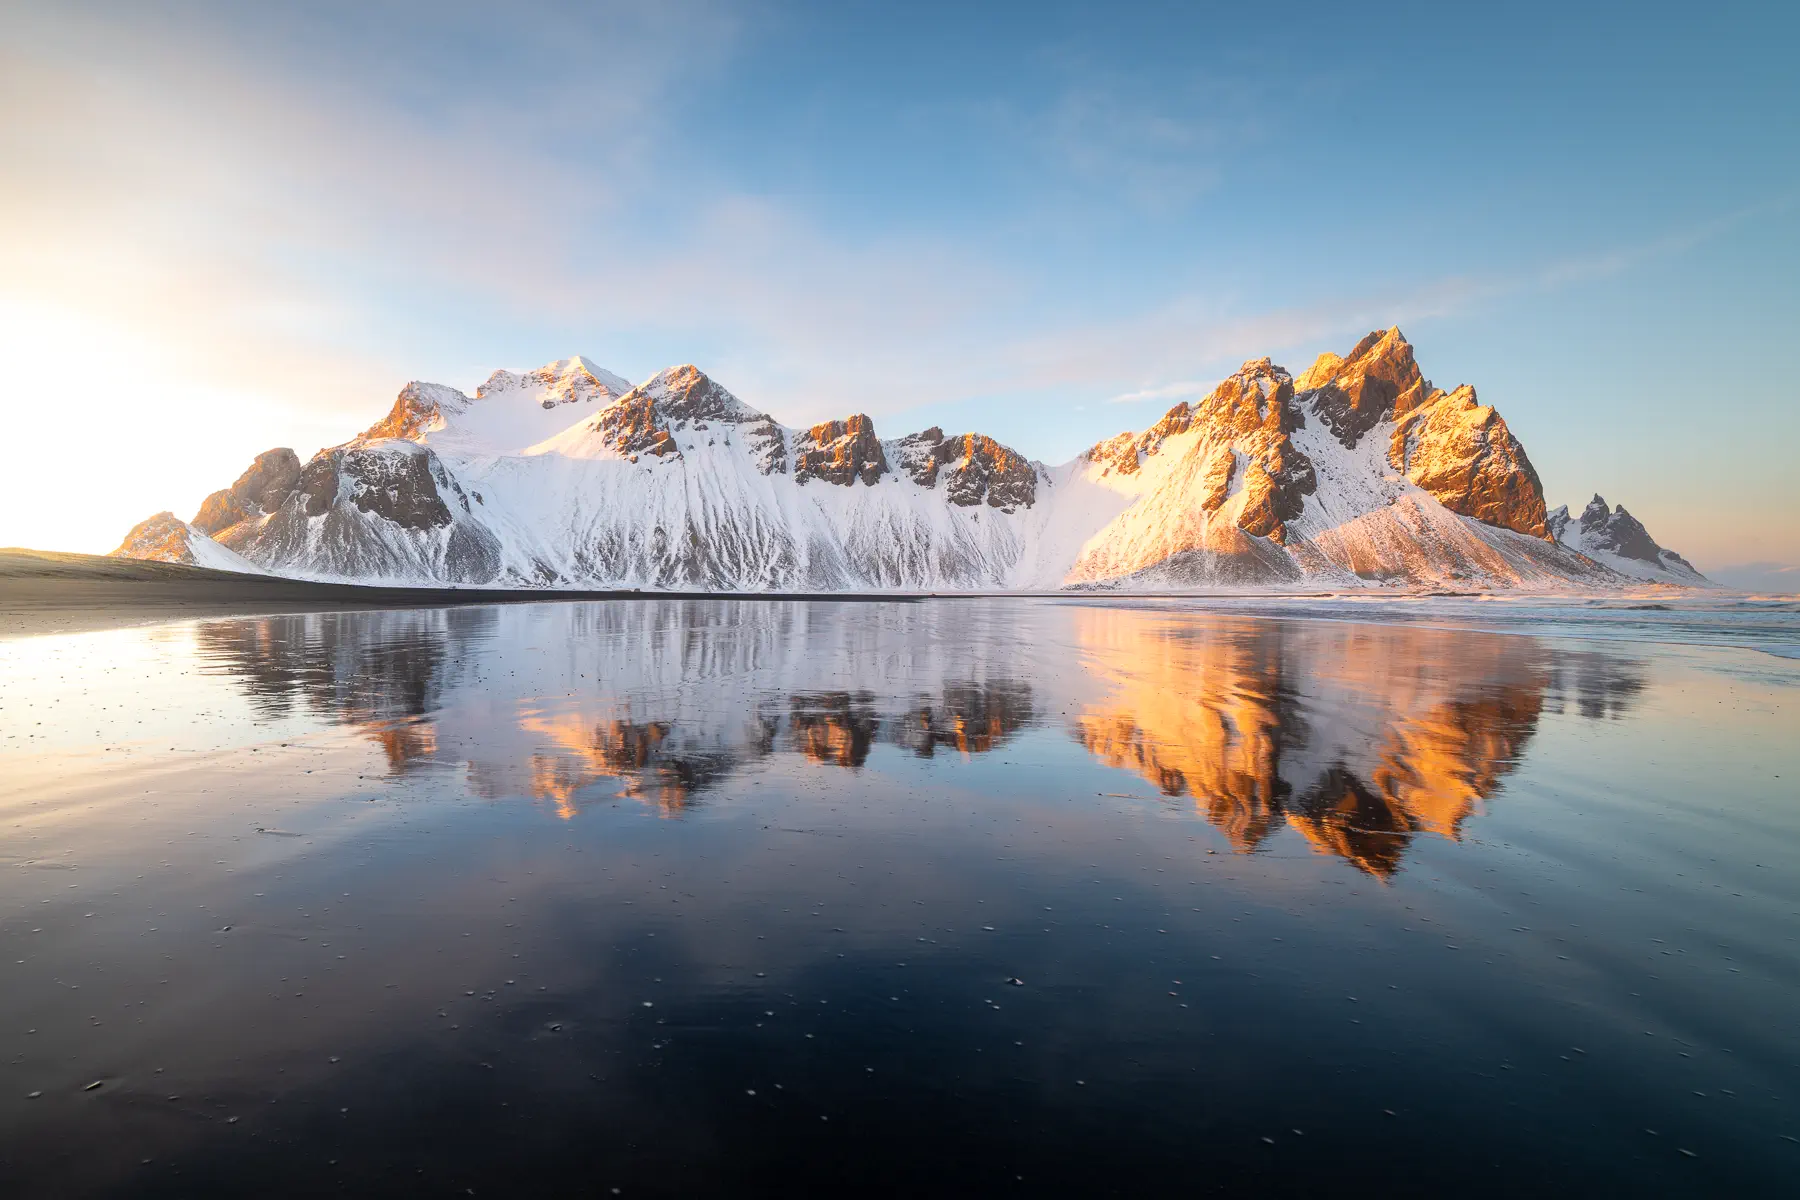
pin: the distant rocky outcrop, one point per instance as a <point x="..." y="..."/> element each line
<point x="1620" y="540"/>
<point x="161" y="538"/>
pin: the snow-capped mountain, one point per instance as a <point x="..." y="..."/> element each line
<point x="1619" y="540"/>
<point x="1358" y="473"/>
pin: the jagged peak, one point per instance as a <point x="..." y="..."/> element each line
<point x="841" y="451"/>
<point x="682" y="394"/>
<point x="578" y="362"/>
<point x="164" y="537"/>
<point x="1321" y="372"/>
<point x="418" y="406"/>
<point x="1382" y="343"/>
<point x="674" y="380"/>
<point x="559" y="381"/>
<point x="1260" y="368"/>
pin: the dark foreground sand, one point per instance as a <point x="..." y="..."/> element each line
<point x="46" y="592"/>
<point x="43" y="591"/>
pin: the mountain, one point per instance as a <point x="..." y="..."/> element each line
<point x="1359" y="473"/>
<point x="167" y="538"/>
<point x="1619" y="540"/>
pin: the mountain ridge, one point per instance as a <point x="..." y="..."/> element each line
<point x="1358" y="473"/>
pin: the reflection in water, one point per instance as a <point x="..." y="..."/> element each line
<point x="383" y="671"/>
<point x="929" y="863"/>
<point x="1358" y="737"/>
<point x="644" y="759"/>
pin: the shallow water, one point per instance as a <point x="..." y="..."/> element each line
<point x="722" y="897"/>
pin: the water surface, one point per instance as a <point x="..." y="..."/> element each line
<point x="729" y="897"/>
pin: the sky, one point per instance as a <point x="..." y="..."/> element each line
<point x="228" y="227"/>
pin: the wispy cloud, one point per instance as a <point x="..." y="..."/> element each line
<point x="1167" y="391"/>
<point x="1161" y="348"/>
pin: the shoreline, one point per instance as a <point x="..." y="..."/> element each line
<point x="47" y="592"/>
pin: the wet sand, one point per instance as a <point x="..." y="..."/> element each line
<point x="44" y="591"/>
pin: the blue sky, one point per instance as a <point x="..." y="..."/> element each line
<point x="226" y="227"/>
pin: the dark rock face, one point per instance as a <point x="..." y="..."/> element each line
<point x="976" y="469"/>
<point x="1620" y="532"/>
<point x="162" y="538"/>
<point x="270" y="479"/>
<point x="381" y="510"/>
<point x="687" y="394"/>
<point x="262" y="488"/>
<point x="1352" y="395"/>
<point x="918" y="456"/>
<point x="641" y="421"/>
<point x="398" y="486"/>
<point x="1614" y="531"/>
<point x="840" y="452"/>
<point x="632" y="426"/>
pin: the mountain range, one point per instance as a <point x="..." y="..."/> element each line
<point x="1358" y="473"/>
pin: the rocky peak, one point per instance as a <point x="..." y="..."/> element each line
<point x="1258" y="396"/>
<point x="686" y="393"/>
<point x="1378" y="379"/>
<point x="1618" y="531"/>
<point x="840" y="452"/>
<point x="1254" y="410"/>
<point x="419" y="408"/>
<point x="1462" y="452"/>
<point x="1320" y="373"/>
<point x="974" y="469"/>
<point x="261" y="489"/>
<point x="1619" y="540"/>
<point x="918" y="455"/>
<point x="639" y="422"/>
<point x="162" y="538"/>
<point x="1117" y="453"/>
<point x="1448" y="443"/>
<point x="566" y="381"/>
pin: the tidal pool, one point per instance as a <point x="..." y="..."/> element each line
<point x="1017" y="896"/>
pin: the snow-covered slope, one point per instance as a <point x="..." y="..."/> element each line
<point x="1358" y="474"/>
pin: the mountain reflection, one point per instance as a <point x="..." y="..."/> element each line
<point x="1358" y="737"/>
<point x="365" y="668"/>
<point x="642" y="759"/>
